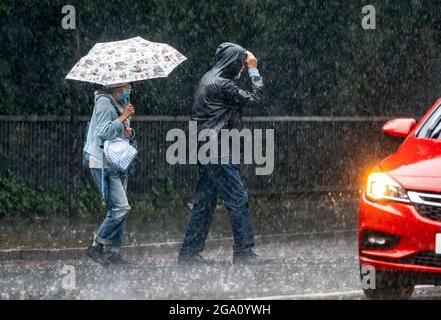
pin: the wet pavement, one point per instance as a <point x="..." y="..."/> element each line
<point x="314" y="266"/>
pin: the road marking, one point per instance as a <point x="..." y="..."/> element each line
<point x="32" y="263"/>
<point x="326" y="294"/>
<point x="177" y="243"/>
<point x="309" y="295"/>
<point x="275" y="235"/>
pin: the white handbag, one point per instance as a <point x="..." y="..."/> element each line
<point x="119" y="153"/>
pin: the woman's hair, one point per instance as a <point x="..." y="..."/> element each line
<point x="106" y="90"/>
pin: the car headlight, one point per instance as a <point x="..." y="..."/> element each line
<point x="381" y="186"/>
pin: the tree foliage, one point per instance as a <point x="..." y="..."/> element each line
<point x="315" y="56"/>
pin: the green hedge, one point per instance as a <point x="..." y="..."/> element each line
<point x="17" y="198"/>
<point x="314" y="55"/>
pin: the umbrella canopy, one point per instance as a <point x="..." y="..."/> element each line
<point x="125" y="61"/>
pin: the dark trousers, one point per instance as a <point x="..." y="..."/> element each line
<point x="218" y="180"/>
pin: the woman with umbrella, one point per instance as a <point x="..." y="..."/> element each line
<point x="110" y="120"/>
<point x="114" y="65"/>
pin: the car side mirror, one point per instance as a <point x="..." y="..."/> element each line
<point x="399" y="127"/>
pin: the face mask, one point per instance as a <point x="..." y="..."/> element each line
<point x="124" y="97"/>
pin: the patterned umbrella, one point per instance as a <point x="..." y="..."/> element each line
<point x="124" y="61"/>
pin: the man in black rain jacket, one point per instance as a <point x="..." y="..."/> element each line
<point x="218" y="105"/>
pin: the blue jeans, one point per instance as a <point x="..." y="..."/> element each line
<point x="223" y="180"/>
<point x="111" y="231"/>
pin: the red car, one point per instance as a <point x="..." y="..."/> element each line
<point x="400" y="211"/>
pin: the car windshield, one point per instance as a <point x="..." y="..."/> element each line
<point x="431" y="128"/>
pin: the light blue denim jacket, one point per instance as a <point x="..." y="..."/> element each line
<point x="104" y="125"/>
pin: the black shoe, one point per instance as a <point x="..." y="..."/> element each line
<point x="246" y="257"/>
<point x="113" y="258"/>
<point x="96" y="254"/>
<point x="191" y="260"/>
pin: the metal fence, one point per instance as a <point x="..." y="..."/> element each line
<point x="311" y="153"/>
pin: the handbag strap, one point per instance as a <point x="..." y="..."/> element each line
<point x="103" y="193"/>
<point x="117" y="110"/>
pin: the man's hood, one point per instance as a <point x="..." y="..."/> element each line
<point x="229" y="59"/>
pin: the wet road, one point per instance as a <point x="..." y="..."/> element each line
<point x="299" y="267"/>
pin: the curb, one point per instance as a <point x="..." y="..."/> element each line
<point x="154" y="248"/>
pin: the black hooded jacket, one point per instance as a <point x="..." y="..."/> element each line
<point x="218" y="100"/>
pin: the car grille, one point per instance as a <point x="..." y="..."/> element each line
<point x="428" y="205"/>
<point x="422" y="258"/>
<point x="429" y="212"/>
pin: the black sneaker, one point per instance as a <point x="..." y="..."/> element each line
<point x="246" y="257"/>
<point x="96" y="254"/>
<point x="191" y="260"/>
<point x="115" y="259"/>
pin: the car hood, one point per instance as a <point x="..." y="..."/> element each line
<point x="416" y="164"/>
